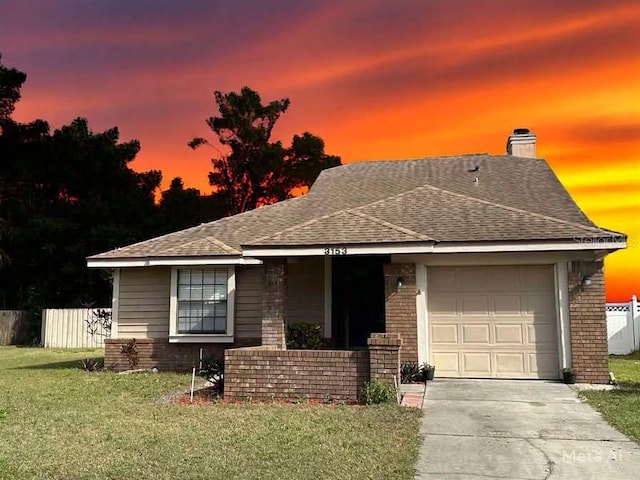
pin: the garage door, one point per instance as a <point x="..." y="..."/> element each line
<point x="496" y="322"/>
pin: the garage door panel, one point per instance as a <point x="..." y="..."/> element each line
<point x="504" y="279"/>
<point x="509" y="333"/>
<point x="507" y="304"/>
<point x="443" y="305"/>
<point x="475" y="305"/>
<point x="493" y="321"/>
<point x="536" y="279"/>
<point x="444" y="280"/>
<point x="543" y="365"/>
<point x="444" y="333"/>
<point x="510" y="363"/>
<point x="472" y="279"/>
<point x="447" y="363"/>
<point x="541" y="334"/>
<point x="476" y="364"/>
<point x="540" y="304"/>
<point x="478" y="333"/>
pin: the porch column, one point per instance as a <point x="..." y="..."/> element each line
<point x="401" y="315"/>
<point x="588" y="319"/>
<point x="384" y="357"/>
<point x="274" y="302"/>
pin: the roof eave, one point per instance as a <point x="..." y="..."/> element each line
<point x="124" y="262"/>
<point x="609" y="244"/>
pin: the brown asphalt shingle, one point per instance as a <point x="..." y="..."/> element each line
<point x="432" y="199"/>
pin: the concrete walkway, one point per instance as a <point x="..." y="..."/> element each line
<point x="519" y="430"/>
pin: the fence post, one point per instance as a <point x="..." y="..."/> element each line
<point x="43" y="327"/>
<point x="634" y="317"/>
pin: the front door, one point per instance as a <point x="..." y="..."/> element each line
<point x="357" y="299"/>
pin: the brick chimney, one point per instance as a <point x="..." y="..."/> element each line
<point x="522" y="143"/>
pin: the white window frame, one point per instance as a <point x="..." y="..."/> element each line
<point x="228" y="337"/>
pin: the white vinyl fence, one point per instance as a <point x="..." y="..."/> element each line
<point x="623" y="327"/>
<point x="67" y="328"/>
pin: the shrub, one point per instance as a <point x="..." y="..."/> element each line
<point x="130" y="350"/>
<point x="99" y="322"/>
<point x="213" y="370"/>
<point x="304" y="336"/>
<point x="375" y="392"/>
<point x="410" y="372"/>
<point x="91" y="364"/>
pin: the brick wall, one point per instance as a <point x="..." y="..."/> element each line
<point x="588" y="320"/>
<point x="384" y="358"/>
<point x="159" y="353"/>
<point x="274" y="302"/>
<point x="400" y="307"/>
<point x="265" y="372"/>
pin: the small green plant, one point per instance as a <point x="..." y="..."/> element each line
<point x="130" y="350"/>
<point x="375" y="392"/>
<point x="569" y="375"/>
<point x="213" y="370"/>
<point x="304" y="336"/>
<point x="91" y="364"/>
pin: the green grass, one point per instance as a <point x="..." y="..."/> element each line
<point x="57" y="421"/>
<point x="621" y="407"/>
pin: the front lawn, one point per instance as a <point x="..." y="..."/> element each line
<point x="621" y="407"/>
<point x="57" y="421"/>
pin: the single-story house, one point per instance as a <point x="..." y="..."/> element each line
<point x="482" y="265"/>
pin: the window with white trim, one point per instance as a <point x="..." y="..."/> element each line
<point x="202" y="303"/>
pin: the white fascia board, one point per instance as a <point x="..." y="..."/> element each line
<point x="204" y="261"/>
<point x="572" y="245"/>
<point x="495" y="247"/>
<point x="116" y="263"/>
<point x="336" y="250"/>
<point x="170" y="262"/>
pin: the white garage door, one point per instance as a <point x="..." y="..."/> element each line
<point x="496" y="322"/>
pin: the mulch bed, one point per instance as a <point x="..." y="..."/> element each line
<point x="209" y="396"/>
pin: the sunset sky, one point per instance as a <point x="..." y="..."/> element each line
<point x="375" y="79"/>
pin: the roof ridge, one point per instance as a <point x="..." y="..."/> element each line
<point x="389" y="225"/>
<point x="298" y="225"/>
<point x="350" y="212"/>
<point x="419" y="159"/>
<point x="507" y="207"/>
<point x="222" y="245"/>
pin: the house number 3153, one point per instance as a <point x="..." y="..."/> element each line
<point x="335" y="250"/>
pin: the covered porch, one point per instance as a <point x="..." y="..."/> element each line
<point x="365" y="307"/>
<point x="348" y="297"/>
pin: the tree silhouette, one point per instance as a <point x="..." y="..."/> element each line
<point x="250" y="170"/>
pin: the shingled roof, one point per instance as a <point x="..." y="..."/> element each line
<point x="438" y="199"/>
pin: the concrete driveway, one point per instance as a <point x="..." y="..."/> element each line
<point x="518" y="429"/>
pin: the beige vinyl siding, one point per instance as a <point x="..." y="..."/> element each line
<point x="248" y="313"/>
<point x="143" y="307"/>
<point x="305" y="299"/>
<point x="143" y="303"/>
